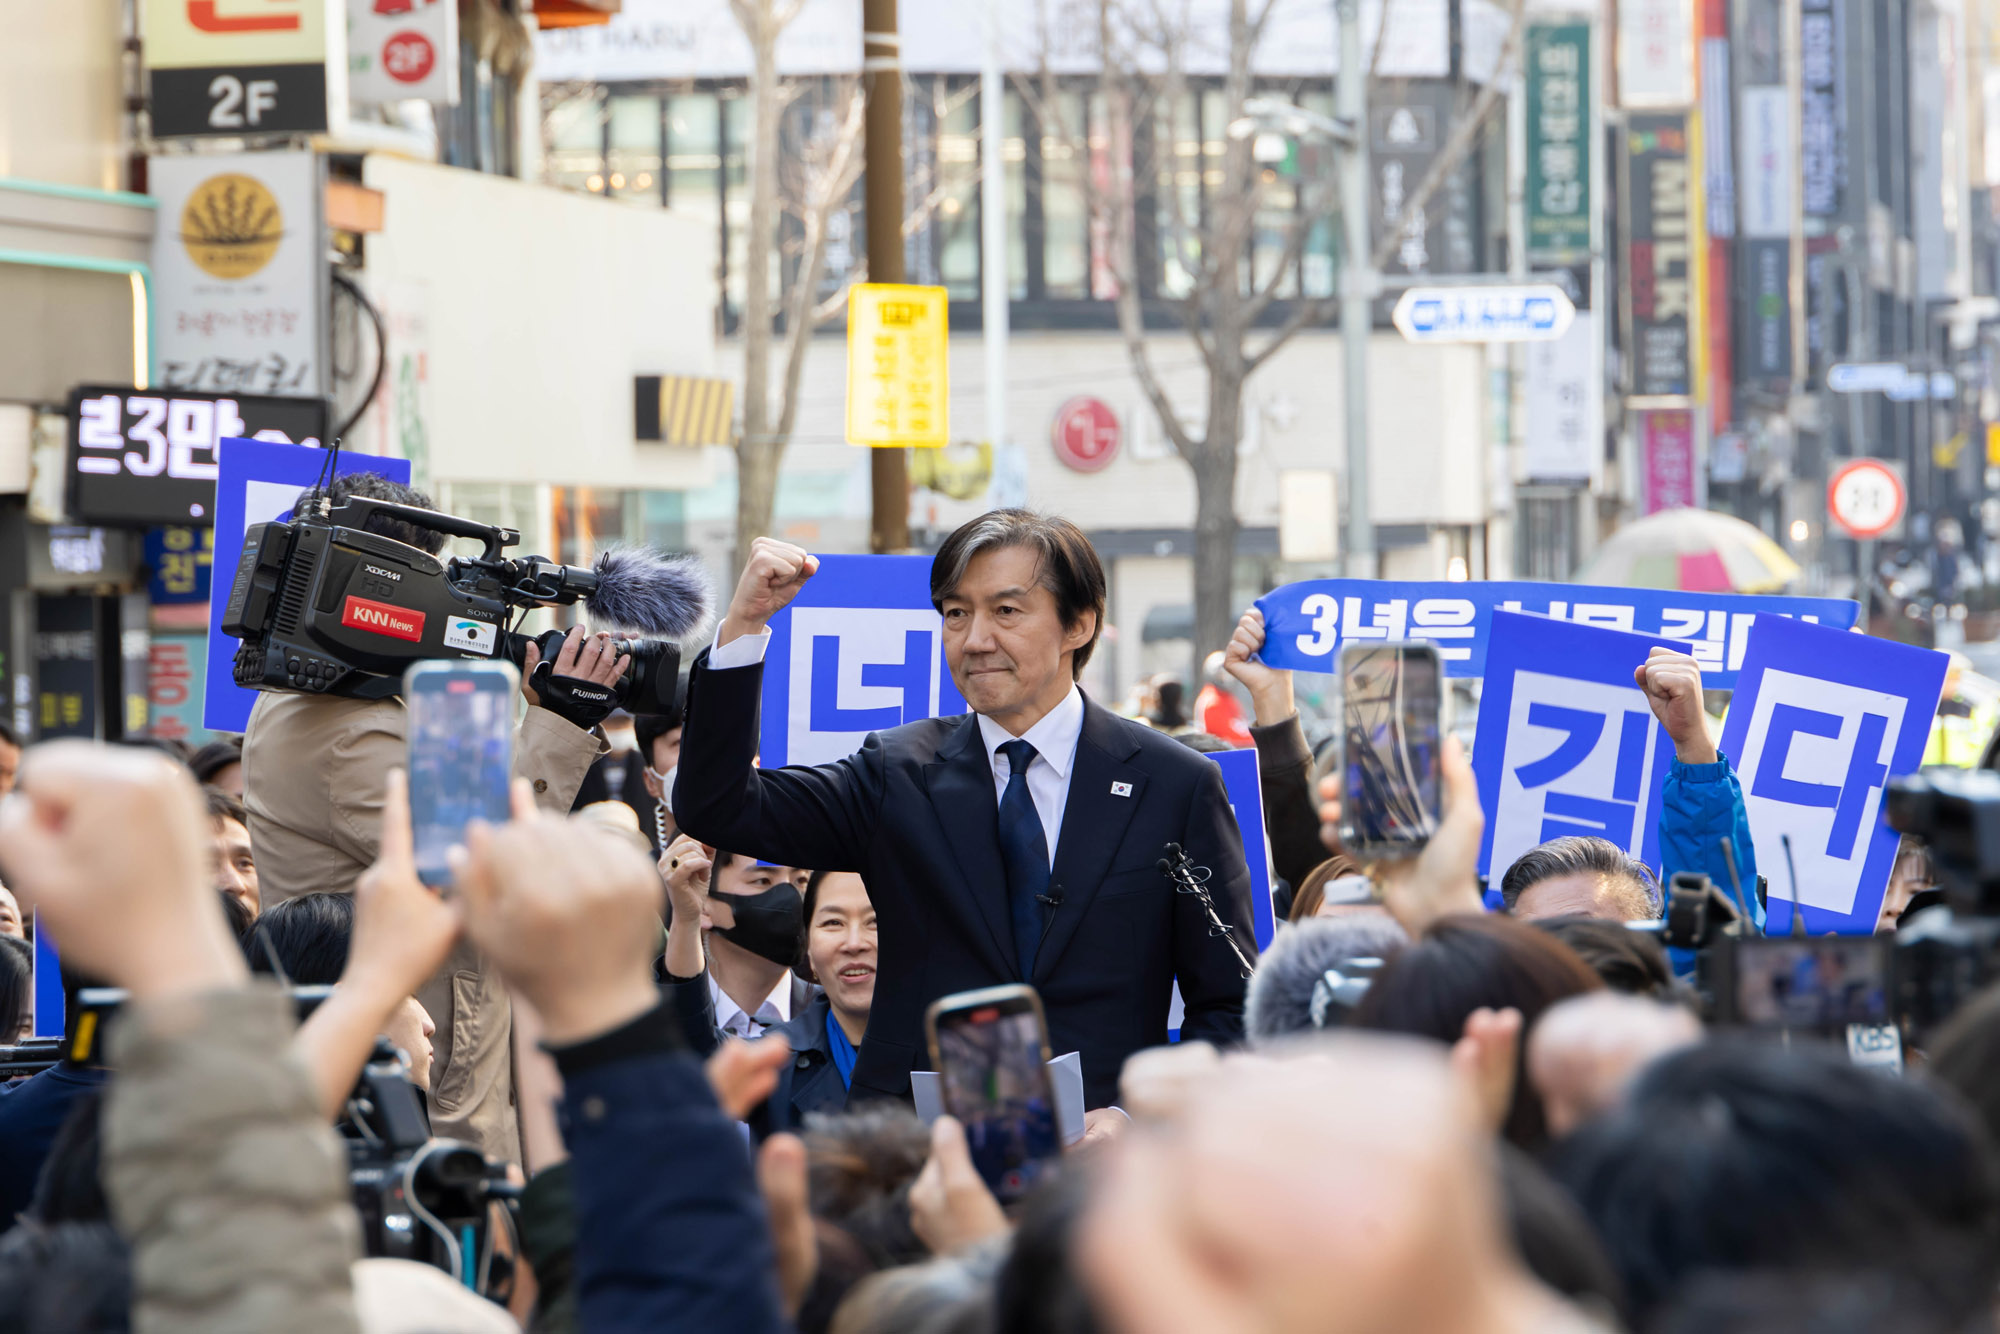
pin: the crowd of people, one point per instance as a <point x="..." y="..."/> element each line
<point x="676" y="1003"/>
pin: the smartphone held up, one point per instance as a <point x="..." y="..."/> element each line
<point x="991" y="1051"/>
<point x="1392" y="728"/>
<point x="461" y="739"/>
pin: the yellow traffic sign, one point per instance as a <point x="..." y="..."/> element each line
<point x="898" y="382"/>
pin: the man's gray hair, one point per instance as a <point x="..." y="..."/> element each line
<point x="1280" y="1001"/>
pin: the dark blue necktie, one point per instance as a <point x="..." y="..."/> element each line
<point x="1024" y="849"/>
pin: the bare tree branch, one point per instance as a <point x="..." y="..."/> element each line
<point x="1302" y="315"/>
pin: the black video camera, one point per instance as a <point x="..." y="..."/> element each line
<point x="423" y="1199"/>
<point x="325" y="606"/>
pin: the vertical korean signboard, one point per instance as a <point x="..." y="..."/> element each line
<point x="239" y="273"/>
<point x="1559" y="143"/>
<point x="898" y="390"/>
<point x="1656" y="41"/>
<point x="1670" y="460"/>
<point x="1767" y="166"/>
<point x="245" y="67"/>
<point x="1659" y="252"/>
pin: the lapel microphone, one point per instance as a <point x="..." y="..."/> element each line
<point x="1187" y="878"/>
<point x="1051" y="900"/>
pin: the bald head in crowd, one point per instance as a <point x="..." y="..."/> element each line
<point x="1580" y="877"/>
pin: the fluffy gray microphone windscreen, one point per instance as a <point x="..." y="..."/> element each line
<point x="648" y="592"/>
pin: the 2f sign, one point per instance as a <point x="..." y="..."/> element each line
<point x="238" y="105"/>
<point x="856" y="670"/>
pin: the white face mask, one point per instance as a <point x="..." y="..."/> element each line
<point x="666" y="782"/>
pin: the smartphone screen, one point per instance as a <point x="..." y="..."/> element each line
<point x="994" y="1078"/>
<point x="1816" y="986"/>
<point x="1391" y="731"/>
<point x="461" y="718"/>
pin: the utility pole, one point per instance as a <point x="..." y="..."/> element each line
<point x="1358" y="286"/>
<point x="882" y="148"/>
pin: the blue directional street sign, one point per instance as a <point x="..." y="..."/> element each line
<point x="1529" y="313"/>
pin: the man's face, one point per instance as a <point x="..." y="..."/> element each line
<point x="235" y="869"/>
<point x="744" y="876"/>
<point x="10" y="764"/>
<point x="10" y="915"/>
<point x="1005" y="640"/>
<point x="1585" y="894"/>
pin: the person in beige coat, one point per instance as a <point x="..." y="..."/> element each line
<point x="314" y="770"/>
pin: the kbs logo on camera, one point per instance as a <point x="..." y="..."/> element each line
<point x="382" y="619"/>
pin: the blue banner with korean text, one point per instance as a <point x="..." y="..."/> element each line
<point x="1820" y="723"/>
<point x="1306" y="623"/>
<point x="1566" y="742"/>
<point x="859" y="650"/>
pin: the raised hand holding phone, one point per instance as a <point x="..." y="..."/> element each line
<point x="461" y="740"/>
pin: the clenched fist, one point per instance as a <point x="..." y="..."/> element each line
<point x="772" y="577"/>
<point x="1672" y="682"/>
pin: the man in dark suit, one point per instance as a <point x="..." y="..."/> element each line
<point x="1019" y="842"/>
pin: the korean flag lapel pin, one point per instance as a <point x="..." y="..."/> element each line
<point x="1121" y="789"/>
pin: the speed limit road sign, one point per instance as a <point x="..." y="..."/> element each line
<point x="1866" y="498"/>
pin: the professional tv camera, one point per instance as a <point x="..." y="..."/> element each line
<point x="325" y="606"/>
<point x="419" y="1198"/>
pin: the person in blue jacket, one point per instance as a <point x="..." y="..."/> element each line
<point x="1704" y="826"/>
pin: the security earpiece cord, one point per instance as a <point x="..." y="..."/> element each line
<point x="1187" y="878"/>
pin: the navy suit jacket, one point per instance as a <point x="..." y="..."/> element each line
<point x="914" y="812"/>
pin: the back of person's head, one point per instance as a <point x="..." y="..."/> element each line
<point x="1743" y="1156"/>
<point x="1038" y="1290"/>
<point x="1208" y="743"/>
<point x="177" y="751"/>
<point x="860" y="1165"/>
<point x="1555" y="1240"/>
<point x="1965" y="1057"/>
<point x="214" y="757"/>
<point x="1785" y="1302"/>
<point x="374" y="486"/>
<point x="1633" y="962"/>
<point x="1467" y="963"/>
<point x="308" y="936"/>
<point x="17" y="987"/>
<point x="949" y="1295"/>
<point x="70" y="1188"/>
<point x="1320" y="884"/>
<point x="1280" y="999"/>
<point x="1597" y="875"/>
<point x="1171" y="711"/>
<point x="75" y="1278"/>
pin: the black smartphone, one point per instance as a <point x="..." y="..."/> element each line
<point x="461" y="739"/>
<point x="1392" y="725"/>
<point x="991" y="1052"/>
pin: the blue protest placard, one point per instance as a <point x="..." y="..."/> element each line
<point x="48" y="985"/>
<point x="257" y="481"/>
<point x="1820" y="722"/>
<point x="1566" y="743"/>
<point x="859" y="650"/>
<point x="1306" y="623"/>
<point x="1246" y="801"/>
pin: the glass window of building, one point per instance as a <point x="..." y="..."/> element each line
<point x="1070" y="146"/>
<point x="957" y="219"/>
<point x="1179" y="192"/>
<point x="573" y="140"/>
<point x="735" y="112"/>
<point x="694" y="157"/>
<point x="633" y="160"/>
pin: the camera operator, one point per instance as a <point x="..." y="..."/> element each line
<point x="315" y="769"/>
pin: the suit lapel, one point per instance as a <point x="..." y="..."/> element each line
<point x="960" y="783"/>
<point x="1094" y="821"/>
